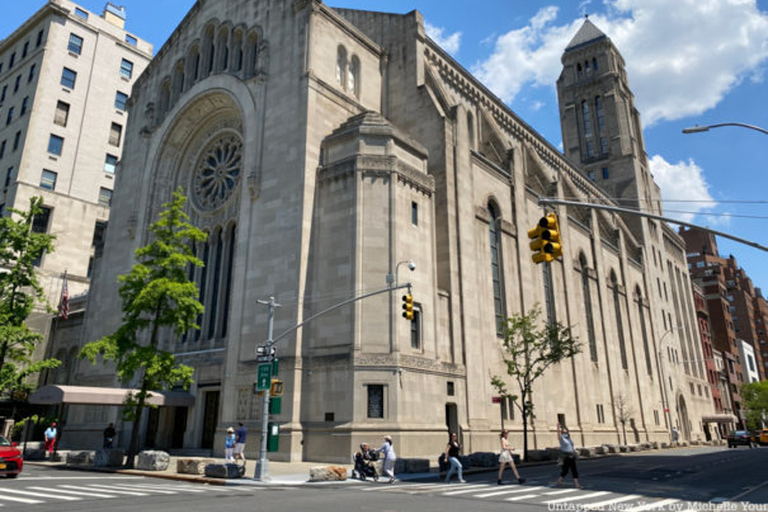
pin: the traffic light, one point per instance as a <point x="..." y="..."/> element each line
<point x="408" y="306"/>
<point x="546" y="243"/>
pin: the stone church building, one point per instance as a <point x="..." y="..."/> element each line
<point x="321" y="148"/>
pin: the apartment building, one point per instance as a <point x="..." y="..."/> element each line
<point x="65" y="80"/>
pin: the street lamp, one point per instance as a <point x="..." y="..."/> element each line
<point x="705" y="128"/>
<point x="395" y="279"/>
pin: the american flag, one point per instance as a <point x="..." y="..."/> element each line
<point x="64" y="302"/>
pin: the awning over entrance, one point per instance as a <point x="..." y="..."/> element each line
<point x="719" y="418"/>
<point x="106" y="396"/>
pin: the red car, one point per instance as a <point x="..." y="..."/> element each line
<point x="11" y="461"/>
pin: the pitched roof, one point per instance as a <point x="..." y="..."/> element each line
<point x="586" y="34"/>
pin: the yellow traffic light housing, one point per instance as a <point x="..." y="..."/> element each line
<point x="546" y="243"/>
<point x="408" y="306"/>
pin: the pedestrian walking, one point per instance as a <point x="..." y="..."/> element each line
<point x="229" y="445"/>
<point x="452" y="451"/>
<point x="675" y="434"/>
<point x="50" y="439"/>
<point x="568" y="456"/>
<point x="506" y="458"/>
<point x="240" y="435"/>
<point x="109" y="436"/>
<point x="389" y="458"/>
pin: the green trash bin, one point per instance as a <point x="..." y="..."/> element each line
<point x="273" y="437"/>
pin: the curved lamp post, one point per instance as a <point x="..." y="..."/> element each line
<point x="705" y="128"/>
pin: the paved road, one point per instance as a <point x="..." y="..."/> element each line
<point x="694" y="479"/>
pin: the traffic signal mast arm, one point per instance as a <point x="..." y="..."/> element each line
<point x="340" y="304"/>
<point x="547" y="201"/>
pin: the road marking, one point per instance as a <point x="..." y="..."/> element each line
<point x="140" y="489"/>
<point x="508" y="491"/>
<point x="77" y="493"/>
<point x="579" y="497"/>
<point x="603" y="504"/>
<point x="523" y="497"/>
<point x="41" y="495"/>
<point x="651" y="506"/>
<point x="561" y="491"/>
<point x="466" y="489"/>
<point x="110" y="490"/>
<point x="20" y="500"/>
<point x="180" y="488"/>
<point x="116" y="490"/>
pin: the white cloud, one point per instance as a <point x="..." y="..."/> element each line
<point x="684" y="189"/>
<point x="449" y="43"/>
<point x="682" y="57"/>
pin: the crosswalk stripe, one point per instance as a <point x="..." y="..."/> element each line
<point x="41" y="495"/>
<point x="603" y="504"/>
<point x="110" y="490"/>
<point x="651" y="506"/>
<point x="140" y="489"/>
<point x="20" y="500"/>
<point x="467" y="489"/>
<point x="508" y="491"/>
<point x="579" y="497"/>
<point x="523" y="497"/>
<point x="77" y="493"/>
<point x="180" y="488"/>
<point x="561" y="491"/>
<point x="117" y="490"/>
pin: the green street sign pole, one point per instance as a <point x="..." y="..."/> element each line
<point x="262" y="465"/>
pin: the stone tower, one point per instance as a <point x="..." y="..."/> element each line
<point x="602" y="134"/>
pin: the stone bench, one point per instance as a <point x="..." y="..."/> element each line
<point x="111" y="458"/>
<point x="224" y="470"/>
<point x="80" y="457"/>
<point x="328" y="473"/>
<point x="192" y="465"/>
<point x="153" y="460"/>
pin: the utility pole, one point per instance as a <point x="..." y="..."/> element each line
<point x="262" y="466"/>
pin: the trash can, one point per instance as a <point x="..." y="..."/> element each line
<point x="273" y="437"/>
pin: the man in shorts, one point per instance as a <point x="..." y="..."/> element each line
<point x="240" y="435"/>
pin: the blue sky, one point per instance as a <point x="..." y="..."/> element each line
<point x="688" y="61"/>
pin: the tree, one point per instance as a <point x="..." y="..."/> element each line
<point x="157" y="298"/>
<point x="20" y="290"/>
<point x="623" y="413"/>
<point x="755" y="401"/>
<point x="529" y="350"/>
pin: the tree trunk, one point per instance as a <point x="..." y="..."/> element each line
<point x="133" y="446"/>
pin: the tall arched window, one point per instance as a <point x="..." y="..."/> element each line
<point x="178" y="79"/>
<point x="238" y="51"/>
<point x="587" y="298"/>
<point x="222" y="44"/>
<point x="353" y="76"/>
<point x="203" y="255"/>
<point x="599" y="113"/>
<point x="585" y="119"/>
<point x="341" y="66"/>
<point x="209" y="47"/>
<point x="499" y="301"/>
<point x="643" y="329"/>
<point x="252" y="55"/>
<point x="231" y="232"/>
<point x="218" y="246"/>
<point x="471" y="130"/>
<point x="619" y="323"/>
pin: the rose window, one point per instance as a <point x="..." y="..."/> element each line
<point x="218" y="173"/>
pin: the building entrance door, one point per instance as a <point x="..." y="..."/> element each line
<point x="452" y="419"/>
<point x="210" y="418"/>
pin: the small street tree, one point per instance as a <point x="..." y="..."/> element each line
<point x="623" y="413"/>
<point x="755" y="401"/>
<point x="530" y="349"/>
<point x="158" y="298"/>
<point x="20" y="290"/>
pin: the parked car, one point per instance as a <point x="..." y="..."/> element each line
<point x="761" y="436"/>
<point x="11" y="461"/>
<point x="738" y="437"/>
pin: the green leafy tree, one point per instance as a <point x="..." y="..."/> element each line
<point x="157" y="297"/>
<point x="529" y="349"/>
<point x="755" y="401"/>
<point x="20" y="290"/>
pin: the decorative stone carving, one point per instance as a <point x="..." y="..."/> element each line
<point x="218" y="172"/>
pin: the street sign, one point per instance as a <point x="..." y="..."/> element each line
<point x="495" y="399"/>
<point x="264" y="377"/>
<point x="265" y="358"/>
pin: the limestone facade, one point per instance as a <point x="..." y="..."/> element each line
<point x="64" y="77"/>
<point x="320" y="149"/>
